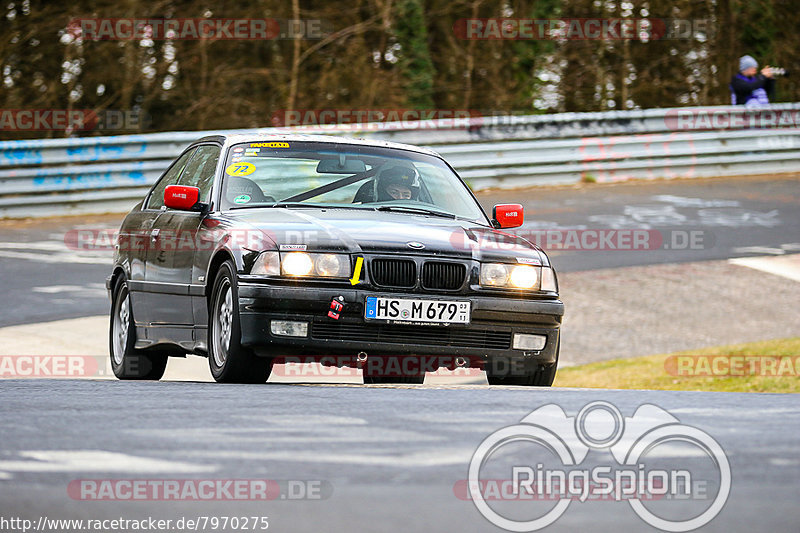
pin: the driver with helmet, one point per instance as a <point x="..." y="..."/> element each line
<point x="394" y="183"/>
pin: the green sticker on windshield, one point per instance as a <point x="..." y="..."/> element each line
<point x="242" y="199"/>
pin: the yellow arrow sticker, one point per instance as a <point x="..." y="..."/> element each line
<point x="355" y="279"/>
<point x="240" y="169"/>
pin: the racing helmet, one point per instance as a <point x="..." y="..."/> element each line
<point x="395" y="179"/>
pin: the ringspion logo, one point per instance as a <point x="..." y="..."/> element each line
<point x="675" y="477"/>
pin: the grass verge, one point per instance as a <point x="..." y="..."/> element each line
<point x="768" y="366"/>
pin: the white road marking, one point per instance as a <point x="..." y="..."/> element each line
<point x="682" y="201"/>
<point x="53" y="252"/>
<point x="787" y="266"/>
<point x="54" y="289"/>
<point x="314" y="422"/>
<point x="777" y="461"/>
<point x="462" y="419"/>
<point x="738" y="218"/>
<point x="59" y="258"/>
<point x="290" y="429"/>
<point x="440" y="457"/>
<point x="647" y="216"/>
<point x="758" y="250"/>
<point x="96" y="461"/>
<point x="45" y="246"/>
<point x="781" y="250"/>
<point x="329" y="434"/>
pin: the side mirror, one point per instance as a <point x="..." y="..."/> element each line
<point x="181" y="197"/>
<point x="508" y="215"/>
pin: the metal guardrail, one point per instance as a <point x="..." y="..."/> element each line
<point x="49" y="177"/>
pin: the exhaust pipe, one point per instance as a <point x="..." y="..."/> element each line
<point x="361" y="357"/>
<point x="461" y="362"/>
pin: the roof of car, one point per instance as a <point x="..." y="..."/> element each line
<point x="235" y="138"/>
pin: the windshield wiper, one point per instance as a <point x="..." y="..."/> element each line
<point x="299" y="204"/>
<point x="420" y="210"/>
<point x="271" y="204"/>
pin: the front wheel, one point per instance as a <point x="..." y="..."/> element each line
<point x="126" y="361"/>
<point x="229" y="361"/>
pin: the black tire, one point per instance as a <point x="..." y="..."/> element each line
<point x="126" y="361"/>
<point x="531" y="375"/>
<point x="229" y="361"/>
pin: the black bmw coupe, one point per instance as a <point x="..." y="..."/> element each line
<point x="251" y="248"/>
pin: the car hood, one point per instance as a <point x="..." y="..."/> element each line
<point x="362" y="231"/>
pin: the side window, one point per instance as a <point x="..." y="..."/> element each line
<point x="156" y="200"/>
<point x="200" y="170"/>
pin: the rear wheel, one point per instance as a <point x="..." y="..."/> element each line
<point x="529" y="374"/>
<point x="229" y="361"/>
<point x="126" y="361"/>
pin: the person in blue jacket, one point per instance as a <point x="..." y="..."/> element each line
<point x="750" y="88"/>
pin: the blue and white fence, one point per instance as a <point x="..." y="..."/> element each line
<point x="48" y="177"/>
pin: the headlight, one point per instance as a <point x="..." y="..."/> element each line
<point x="494" y="274"/>
<point x="297" y="264"/>
<point x="267" y="264"/>
<point x="524" y="277"/>
<point x="517" y="276"/>
<point x="323" y="265"/>
<point x="332" y="265"/>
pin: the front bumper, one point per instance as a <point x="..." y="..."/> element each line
<point x="494" y="321"/>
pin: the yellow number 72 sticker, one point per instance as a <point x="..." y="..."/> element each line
<point x="240" y="169"/>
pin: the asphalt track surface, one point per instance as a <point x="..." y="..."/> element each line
<point x="392" y="458"/>
<point x="44" y="279"/>
<point x="386" y="458"/>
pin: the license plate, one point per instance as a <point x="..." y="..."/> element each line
<point x="419" y="311"/>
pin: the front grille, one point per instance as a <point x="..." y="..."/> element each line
<point x="393" y="272"/>
<point x="419" y="335"/>
<point x="445" y="276"/>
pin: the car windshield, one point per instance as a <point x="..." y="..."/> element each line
<point x="314" y="174"/>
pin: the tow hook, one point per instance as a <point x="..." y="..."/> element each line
<point x="337" y="304"/>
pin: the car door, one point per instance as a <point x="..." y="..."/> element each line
<point x="168" y="269"/>
<point x="139" y="227"/>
